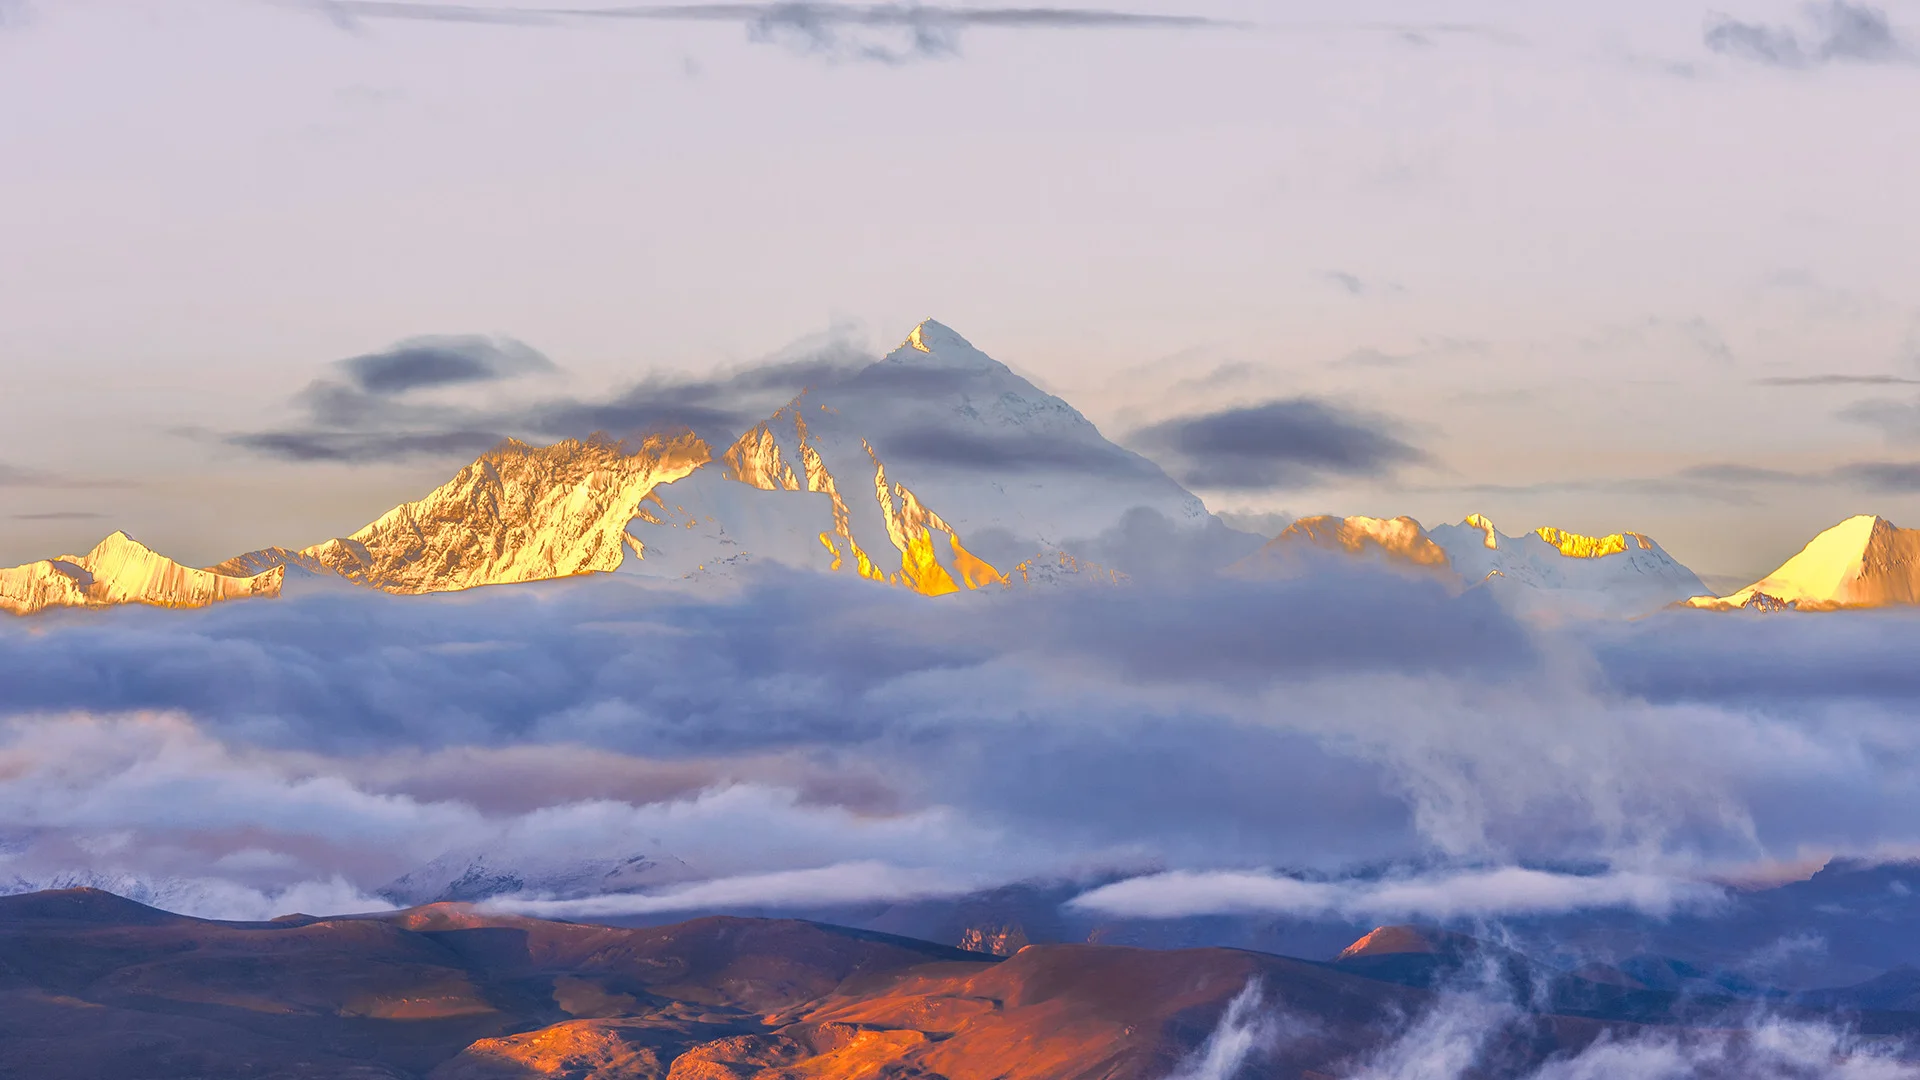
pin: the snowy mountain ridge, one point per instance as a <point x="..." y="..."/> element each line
<point x="936" y="469"/>
<point x="1545" y="572"/>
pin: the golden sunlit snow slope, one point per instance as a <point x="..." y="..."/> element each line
<point x="520" y="513"/>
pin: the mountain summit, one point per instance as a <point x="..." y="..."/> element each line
<point x="936" y="468"/>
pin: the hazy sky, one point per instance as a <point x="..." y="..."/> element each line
<point x="1574" y="254"/>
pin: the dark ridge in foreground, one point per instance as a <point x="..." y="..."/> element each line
<point x="94" y="986"/>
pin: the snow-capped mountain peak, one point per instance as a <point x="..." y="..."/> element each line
<point x="1865" y="561"/>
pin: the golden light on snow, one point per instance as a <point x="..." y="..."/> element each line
<point x="121" y="570"/>
<point x="1864" y="561"/>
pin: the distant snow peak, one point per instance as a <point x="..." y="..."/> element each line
<point x="1395" y="542"/>
<point x="1864" y="561"/>
<point x="121" y="570"/>
<point x="1552" y="572"/>
<point x="1547" y="572"/>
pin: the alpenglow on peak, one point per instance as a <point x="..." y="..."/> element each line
<point x="931" y="335"/>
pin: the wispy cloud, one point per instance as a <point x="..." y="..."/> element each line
<point x="1723" y="482"/>
<point x="15" y="476"/>
<point x="1837" y="380"/>
<point x="1834" y="32"/>
<point x="1501" y="892"/>
<point x="886" y="33"/>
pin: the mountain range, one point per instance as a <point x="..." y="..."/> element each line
<point x="936" y="469"/>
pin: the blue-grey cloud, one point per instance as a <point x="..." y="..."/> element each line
<point x="1838" y="31"/>
<point x="1298" y="442"/>
<point x="1891" y="477"/>
<point x="424" y="362"/>
<point x="1897" y="420"/>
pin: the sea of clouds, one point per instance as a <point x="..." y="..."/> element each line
<point x="1195" y="748"/>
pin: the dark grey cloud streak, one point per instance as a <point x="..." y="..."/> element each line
<point x="1724" y="482"/>
<point x="887" y="33"/>
<point x="442" y="361"/>
<point x="1298" y="442"/>
<point x="1836" y="32"/>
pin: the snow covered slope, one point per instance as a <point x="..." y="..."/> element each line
<point x="121" y="570"/>
<point x="1864" y="561"/>
<point x="1552" y="572"/>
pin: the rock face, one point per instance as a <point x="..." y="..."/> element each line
<point x="1548" y="571"/>
<point x="1863" y="562"/>
<point x="994" y="940"/>
<point x="121" y="570"/>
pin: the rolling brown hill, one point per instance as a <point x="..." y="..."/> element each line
<point x="94" y="986"/>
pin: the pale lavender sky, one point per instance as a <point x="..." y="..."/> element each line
<point x="1558" y="245"/>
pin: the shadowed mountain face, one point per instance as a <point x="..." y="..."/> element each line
<point x="99" y="987"/>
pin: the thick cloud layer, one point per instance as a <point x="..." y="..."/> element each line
<point x="806" y="741"/>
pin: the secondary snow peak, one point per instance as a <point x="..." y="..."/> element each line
<point x="121" y="570"/>
<point x="1865" y="561"/>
